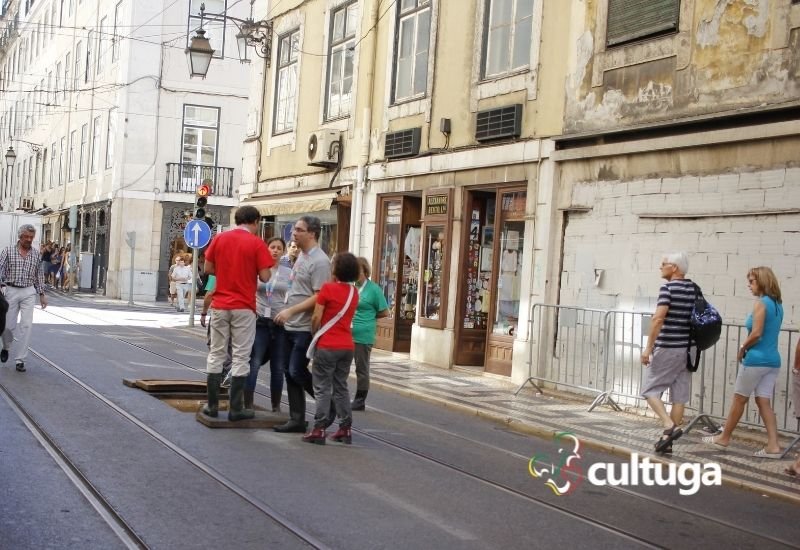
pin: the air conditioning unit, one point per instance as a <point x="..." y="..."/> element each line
<point x="26" y="203"/>
<point x="324" y="147"/>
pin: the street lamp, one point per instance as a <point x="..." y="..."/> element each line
<point x="257" y="34"/>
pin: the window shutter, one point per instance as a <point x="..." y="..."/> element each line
<point x="632" y="19"/>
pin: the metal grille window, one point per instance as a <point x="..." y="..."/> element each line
<point x="96" y="125"/>
<point x="630" y="20"/>
<point x="339" y="92"/>
<point x="412" y="40"/>
<point x="286" y="82"/>
<point x="215" y="30"/>
<point x="507" y="36"/>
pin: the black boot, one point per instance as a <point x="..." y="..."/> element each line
<point x="236" y="410"/>
<point x="275" y="397"/>
<point x="358" y="401"/>
<point x="212" y="390"/>
<point x="297" y="410"/>
<point x="249" y="395"/>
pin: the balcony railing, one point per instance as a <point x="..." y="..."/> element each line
<point x="185" y="178"/>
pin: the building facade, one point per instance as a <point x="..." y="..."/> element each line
<point x="489" y="155"/>
<point x="98" y="105"/>
<point x="418" y="131"/>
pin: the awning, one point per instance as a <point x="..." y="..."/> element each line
<point x="292" y="204"/>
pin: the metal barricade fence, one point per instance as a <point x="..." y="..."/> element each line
<point x="571" y="343"/>
<point x="598" y="352"/>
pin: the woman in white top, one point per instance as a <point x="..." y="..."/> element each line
<point x="182" y="275"/>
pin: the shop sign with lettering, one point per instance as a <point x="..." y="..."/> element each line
<point x="436" y="205"/>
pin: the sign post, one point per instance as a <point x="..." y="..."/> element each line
<point x="131" y="240"/>
<point x="197" y="235"/>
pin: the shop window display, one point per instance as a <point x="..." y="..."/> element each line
<point x="435" y="246"/>
<point x="390" y="253"/>
<point x="510" y="249"/>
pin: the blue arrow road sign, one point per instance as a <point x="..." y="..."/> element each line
<point x="197" y="234"/>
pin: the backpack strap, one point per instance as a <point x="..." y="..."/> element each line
<point x="693" y="366"/>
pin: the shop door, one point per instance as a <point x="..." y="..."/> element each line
<point x="396" y="269"/>
<point x="509" y="232"/>
<point x="475" y="286"/>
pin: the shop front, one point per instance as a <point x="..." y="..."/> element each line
<point x="467" y="292"/>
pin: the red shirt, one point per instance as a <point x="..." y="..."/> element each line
<point x="333" y="296"/>
<point x="238" y="256"/>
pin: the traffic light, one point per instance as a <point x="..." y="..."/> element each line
<point x="201" y="201"/>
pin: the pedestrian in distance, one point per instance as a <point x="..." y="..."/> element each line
<point x="668" y="351"/>
<point x="262" y="345"/>
<point x="46" y="253"/>
<point x="236" y="258"/>
<point x="332" y="349"/>
<point x="371" y="306"/>
<point x="760" y="362"/>
<point x="182" y="275"/>
<point x="173" y="290"/>
<point x="311" y="270"/>
<point x="55" y="265"/>
<point x="292" y="251"/>
<point x="21" y="273"/>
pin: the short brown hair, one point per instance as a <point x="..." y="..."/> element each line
<point x="363" y="263"/>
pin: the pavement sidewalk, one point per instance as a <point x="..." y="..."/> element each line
<point x="621" y="433"/>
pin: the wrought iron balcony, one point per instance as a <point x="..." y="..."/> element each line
<point x="185" y="178"/>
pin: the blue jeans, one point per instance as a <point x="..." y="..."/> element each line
<point x="260" y="352"/>
<point x="290" y="352"/>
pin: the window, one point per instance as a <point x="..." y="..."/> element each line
<point x="215" y="30"/>
<point x="412" y="38"/>
<point x="78" y="63"/>
<point x="507" y="36"/>
<point x="67" y="65"/>
<point x="101" y="54"/>
<point x="89" y="44"/>
<point x="61" y="165"/>
<point x="200" y="129"/>
<point x="286" y="82"/>
<point x="338" y="95"/>
<point x="82" y="156"/>
<point x="630" y="20"/>
<point x="95" y="143"/>
<point x="49" y="90"/>
<point x="44" y="170"/>
<point x="115" y="38"/>
<point x="111" y="137"/>
<point x="57" y="87"/>
<point x="53" y="19"/>
<point x="53" y="164"/>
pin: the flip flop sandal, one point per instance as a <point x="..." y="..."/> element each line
<point x="672" y="434"/>
<point x="762" y="453"/>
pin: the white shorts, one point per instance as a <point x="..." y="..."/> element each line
<point x="760" y="380"/>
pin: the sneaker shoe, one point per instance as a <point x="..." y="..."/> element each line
<point x="4" y="355"/>
<point x="20" y="366"/>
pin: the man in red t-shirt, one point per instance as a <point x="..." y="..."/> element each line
<point x="237" y="258"/>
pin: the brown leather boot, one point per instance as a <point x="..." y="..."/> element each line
<point x="317" y="435"/>
<point x="343" y="435"/>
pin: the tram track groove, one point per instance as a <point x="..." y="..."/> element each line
<point x="126" y="534"/>
<point x="476" y="477"/>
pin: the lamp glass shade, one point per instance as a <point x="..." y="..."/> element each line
<point x="11" y="157"/>
<point x="199" y="54"/>
<point x="241" y="44"/>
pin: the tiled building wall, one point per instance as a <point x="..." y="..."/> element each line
<point x="743" y="219"/>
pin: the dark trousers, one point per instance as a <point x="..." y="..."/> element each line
<point x="330" y="370"/>
<point x="291" y="354"/>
